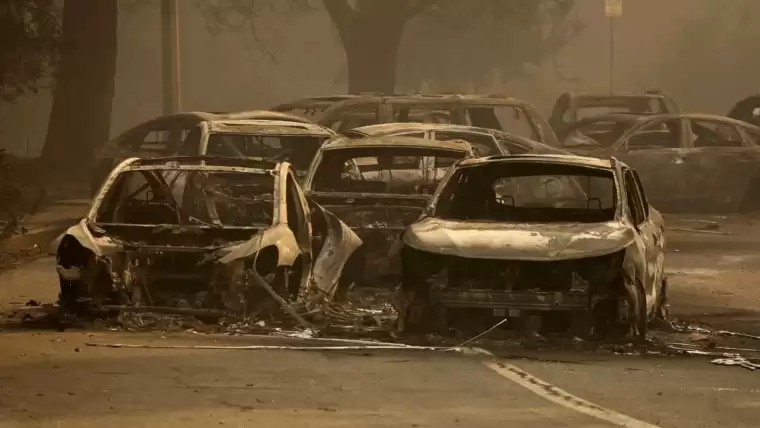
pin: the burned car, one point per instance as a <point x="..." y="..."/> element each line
<point x="280" y="140"/>
<point x="540" y="240"/>
<point x="486" y="111"/>
<point x="196" y="234"/>
<point x="164" y="135"/>
<point x="696" y="163"/>
<point x="378" y="186"/>
<point x="599" y="131"/>
<point x="487" y="142"/>
<point x="570" y="108"/>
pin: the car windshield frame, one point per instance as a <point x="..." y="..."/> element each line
<point x="199" y="197"/>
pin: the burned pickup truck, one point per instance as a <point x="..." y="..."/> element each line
<point x="543" y="240"/>
<point x="197" y="235"/>
<point x="378" y="186"/>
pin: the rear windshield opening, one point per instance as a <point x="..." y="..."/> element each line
<point x="529" y="192"/>
<point x="299" y="150"/>
<point x="391" y="170"/>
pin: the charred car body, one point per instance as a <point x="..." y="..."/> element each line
<point x="487" y="142"/>
<point x="546" y="237"/>
<point x="485" y="111"/>
<point x="687" y="162"/>
<point x="378" y="186"/>
<point x="164" y="135"/>
<point x="197" y="234"/>
<point x="570" y="108"/>
<point x="276" y="140"/>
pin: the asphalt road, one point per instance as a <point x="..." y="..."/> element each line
<point x="54" y="379"/>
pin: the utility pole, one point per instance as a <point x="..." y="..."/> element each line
<point x="170" y="71"/>
<point x="613" y="9"/>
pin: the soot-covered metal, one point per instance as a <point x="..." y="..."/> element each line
<point x="552" y="240"/>
<point x="202" y="236"/>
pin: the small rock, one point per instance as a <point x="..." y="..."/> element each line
<point x="76" y="349"/>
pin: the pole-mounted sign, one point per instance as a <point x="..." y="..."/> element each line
<point x="613" y="8"/>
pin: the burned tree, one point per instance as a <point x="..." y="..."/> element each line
<point x="84" y="87"/>
<point x="372" y="34"/>
<point x="11" y="201"/>
<point x="452" y="46"/>
<point x="29" y="33"/>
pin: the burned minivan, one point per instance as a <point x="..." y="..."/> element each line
<point x="378" y="186"/>
<point x="201" y="235"/>
<point x="543" y="240"/>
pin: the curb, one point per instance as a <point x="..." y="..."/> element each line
<point x="40" y="237"/>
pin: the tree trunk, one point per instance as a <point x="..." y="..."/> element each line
<point x="80" y="120"/>
<point x="371" y="35"/>
<point x="372" y="55"/>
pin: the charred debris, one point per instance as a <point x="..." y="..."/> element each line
<point x="215" y="239"/>
<point x="384" y="240"/>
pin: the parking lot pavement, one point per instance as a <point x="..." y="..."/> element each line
<point x="54" y="379"/>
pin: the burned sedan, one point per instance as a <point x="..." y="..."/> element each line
<point x="688" y="162"/>
<point x="378" y="186"/>
<point x="537" y="239"/>
<point x="166" y="135"/>
<point x="197" y="234"/>
<point x="570" y="108"/>
<point x="280" y="140"/>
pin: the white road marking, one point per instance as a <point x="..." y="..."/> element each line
<point x="563" y="398"/>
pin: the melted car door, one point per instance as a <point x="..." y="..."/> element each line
<point x="651" y="238"/>
<point x="721" y="164"/>
<point x="657" y="150"/>
<point x="298" y="218"/>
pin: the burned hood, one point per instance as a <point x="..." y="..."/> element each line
<point x="518" y="241"/>
<point x="111" y="239"/>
